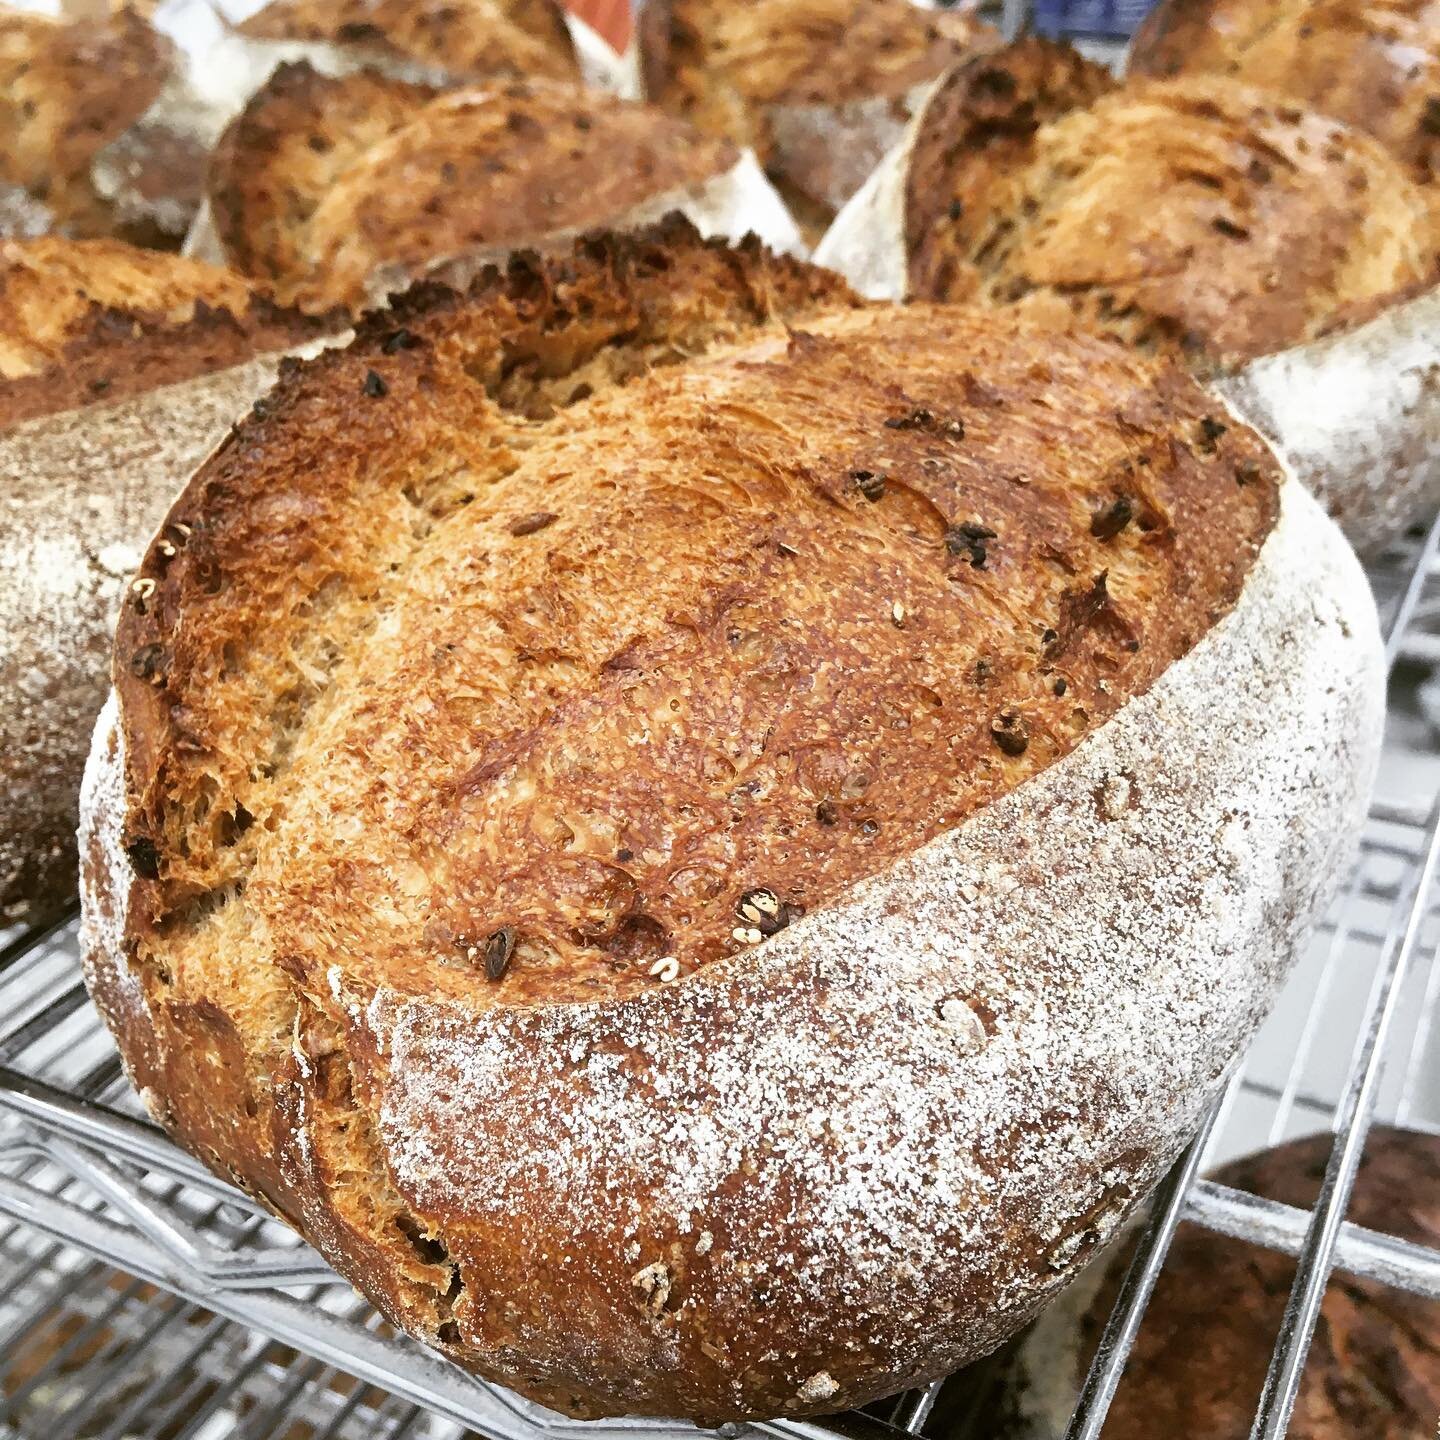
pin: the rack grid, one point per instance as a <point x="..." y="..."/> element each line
<point x="141" y="1296"/>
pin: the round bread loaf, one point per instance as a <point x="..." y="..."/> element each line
<point x="338" y="189"/>
<point x="1198" y="1366"/>
<point x="120" y="369"/>
<point x="1273" y="250"/>
<point x="819" y="89"/>
<point x="705" y="842"/>
<point x="1374" y="66"/>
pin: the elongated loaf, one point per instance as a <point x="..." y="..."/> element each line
<point x="339" y="189"/>
<point x="1273" y="250"/>
<point x="706" y="842"/>
<point x="119" y="370"/>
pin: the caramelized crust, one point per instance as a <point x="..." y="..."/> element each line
<point x="1375" y="66"/>
<point x="87" y="321"/>
<point x="334" y="189"/>
<point x="464" y="39"/>
<point x="1197" y="216"/>
<point x="472" y="657"/>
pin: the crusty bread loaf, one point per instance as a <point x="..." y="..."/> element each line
<point x="1198" y="1365"/>
<point x="455" y="39"/>
<point x="1196" y="214"/>
<point x="102" y="414"/>
<point x="819" y="89"/>
<point x="705" y="842"/>
<point x="1288" y="259"/>
<point x="1375" y="66"/>
<point x="68" y="89"/>
<point x="338" y="189"/>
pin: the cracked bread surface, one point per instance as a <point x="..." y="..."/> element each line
<point x="527" y="643"/>
<point x="332" y="188"/>
<point x="1375" y="66"/>
<point x="1198" y="216"/>
<point x="459" y="39"/>
<point x="119" y="370"/>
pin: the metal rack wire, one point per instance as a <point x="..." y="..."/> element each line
<point x="139" y="1295"/>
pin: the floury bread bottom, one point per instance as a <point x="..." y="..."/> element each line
<point x="712" y="841"/>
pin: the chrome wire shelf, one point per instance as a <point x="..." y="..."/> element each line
<point x="141" y="1296"/>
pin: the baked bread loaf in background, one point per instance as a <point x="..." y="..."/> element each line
<point x="819" y="89"/>
<point x="1198" y="1366"/>
<point x="341" y="189"/>
<point x="81" y="156"/>
<point x="1201" y="218"/>
<point x="119" y="370"/>
<point x="434" y="40"/>
<point x="1374" y="66"/>
<point x="705" y="842"/>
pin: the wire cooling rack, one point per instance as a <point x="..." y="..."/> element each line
<point x="141" y="1296"/>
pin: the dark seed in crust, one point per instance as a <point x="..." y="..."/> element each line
<point x="1110" y="520"/>
<point x="498" y="950"/>
<point x="1010" y="733"/>
<point x="529" y="524"/>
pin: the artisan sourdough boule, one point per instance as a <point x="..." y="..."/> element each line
<point x="1195" y="217"/>
<point x="706" y="842"/>
<point x="1198" y="1366"/>
<point x="339" y="189"/>
<point x="819" y="89"/>
<point x="119" y="370"/>
<point x="1374" y="66"/>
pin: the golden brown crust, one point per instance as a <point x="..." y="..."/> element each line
<point x="66" y="91"/>
<point x="97" y="321"/>
<point x="1198" y="1366"/>
<point x="819" y="89"/>
<point x="461" y="39"/>
<point x="1374" y="66"/>
<point x="676" y="582"/>
<point x="331" y="187"/>
<point x="1193" y="216"/>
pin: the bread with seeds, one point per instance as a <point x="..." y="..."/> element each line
<point x="707" y="842"/>
<point x="119" y="369"/>
<point x="819" y="89"/>
<point x="341" y="189"/>
<point x="1285" y="257"/>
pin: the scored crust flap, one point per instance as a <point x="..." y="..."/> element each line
<point x="512" y="653"/>
<point x="1371" y="453"/>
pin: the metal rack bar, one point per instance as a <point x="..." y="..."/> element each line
<point x="1282" y="1381"/>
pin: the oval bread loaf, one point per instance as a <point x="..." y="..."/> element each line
<point x="1374" y="66"/>
<point x="705" y="842"/>
<point x="819" y="89"/>
<point x="1270" y="248"/>
<point x="119" y="370"/>
<point x="339" y="189"/>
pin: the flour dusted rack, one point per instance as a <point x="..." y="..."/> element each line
<point x="140" y="1296"/>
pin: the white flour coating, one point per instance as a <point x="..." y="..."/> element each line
<point x="1356" y="414"/>
<point x="807" y="1105"/>
<point x="600" y="67"/>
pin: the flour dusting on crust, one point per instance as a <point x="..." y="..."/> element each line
<point x="808" y="1106"/>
